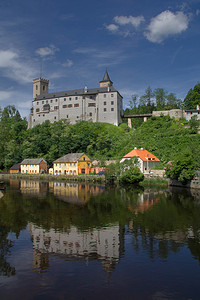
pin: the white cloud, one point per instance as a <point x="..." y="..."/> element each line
<point x="4" y="95"/>
<point x="124" y="20"/>
<point x="68" y="63"/>
<point x="112" y="28"/>
<point x="197" y="12"/>
<point x="7" y="58"/>
<point x="166" y="24"/>
<point x="14" y="68"/>
<point x="47" y="51"/>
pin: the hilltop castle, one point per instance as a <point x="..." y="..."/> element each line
<point x="103" y="104"/>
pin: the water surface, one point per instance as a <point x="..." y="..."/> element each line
<point x="80" y="241"/>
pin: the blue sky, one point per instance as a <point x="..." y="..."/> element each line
<point x="141" y="43"/>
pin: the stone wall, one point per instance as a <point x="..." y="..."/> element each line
<point x="173" y="113"/>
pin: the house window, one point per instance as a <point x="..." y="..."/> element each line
<point x="112" y="102"/>
<point x="56" y="100"/>
<point x="91" y="97"/>
<point x="112" y="95"/>
<point x="76" y="105"/>
<point x="90" y="114"/>
<point x="54" y="118"/>
<point x="76" y="98"/>
<point x="70" y="98"/>
<point x="42" y="102"/>
<point x="70" y="105"/>
<point x="112" y="109"/>
<point x="65" y="106"/>
<point x="104" y="103"/>
<point x="56" y="107"/>
<point x="46" y="101"/>
<point x="91" y="104"/>
<point x="51" y="101"/>
<point x="64" y="99"/>
<point x="67" y="116"/>
<point x="37" y="109"/>
<point x="37" y="103"/>
<point x="104" y="109"/>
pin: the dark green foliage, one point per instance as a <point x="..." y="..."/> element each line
<point x="192" y="98"/>
<point x="182" y="168"/>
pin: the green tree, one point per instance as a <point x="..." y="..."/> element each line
<point x="192" y="98"/>
<point x="182" y="168"/>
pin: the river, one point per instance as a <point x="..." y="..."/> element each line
<point x="63" y="240"/>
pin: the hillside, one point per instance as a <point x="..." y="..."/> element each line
<point x="162" y="136"/>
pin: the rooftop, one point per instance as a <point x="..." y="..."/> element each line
<point x="142" y="154"/>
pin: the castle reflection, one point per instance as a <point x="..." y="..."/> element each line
<point x="104" y="244"/>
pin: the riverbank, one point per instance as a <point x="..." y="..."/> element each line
<point x="47" y="177"/>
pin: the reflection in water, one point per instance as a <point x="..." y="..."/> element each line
<point x="105" y="244"/>
<point x="146" y="231"/>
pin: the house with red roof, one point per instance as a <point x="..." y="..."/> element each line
<point x="146" y="160"/>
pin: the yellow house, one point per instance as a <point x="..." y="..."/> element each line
<point x="33" y="166"/>
<point x="72" y="164"/>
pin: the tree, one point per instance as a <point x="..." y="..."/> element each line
<point x="161" y="96"/>
<point x="192" y="98"/>
<point x="182" y="168"/>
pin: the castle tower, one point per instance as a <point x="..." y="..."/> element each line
<point x="106" y="82"/>
<point x="40" y="86"/>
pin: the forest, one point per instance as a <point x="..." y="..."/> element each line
<point x="168" y="139"/>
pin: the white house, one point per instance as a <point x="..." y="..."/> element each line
<point x="146" y="160"/>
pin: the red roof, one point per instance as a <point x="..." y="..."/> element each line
<point x="142" y="154"/>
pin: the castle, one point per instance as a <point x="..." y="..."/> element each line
<point x="103" y="104"/>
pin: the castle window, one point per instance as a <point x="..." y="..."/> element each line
<point x="36" y="87"/>
<point x="55" y="118"/>
<point x="42" y="102"/>
<point x="64" y="99"/>
<point x="112" y="109"/>
<point x="67" y="116"/>
<point x="37" y="109"/>
<point x="70" y="98"/>
<point x="91" y="97"/>
<point x="34" y="120"/>
<point x="64" y="106"/>
<point x="56" y="107"/>
<point x="104" y="109"/>
<point x="76" y="105"/>
<point x="91" y="104"/>
<point x="37" y="103"/>
<point x="70" y="105"/>
<point x="43" y="87"/>
<point x="90" y="114"/>
<point x="112" y="102"/>
<point x="112" y="95"/>
<point x="76" y="98"/>
<point x="77" y="117"/>
<point x="43" y="115"/>
<point x="104" y="103"/>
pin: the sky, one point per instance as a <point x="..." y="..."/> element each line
<point x="141" y="43"/>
